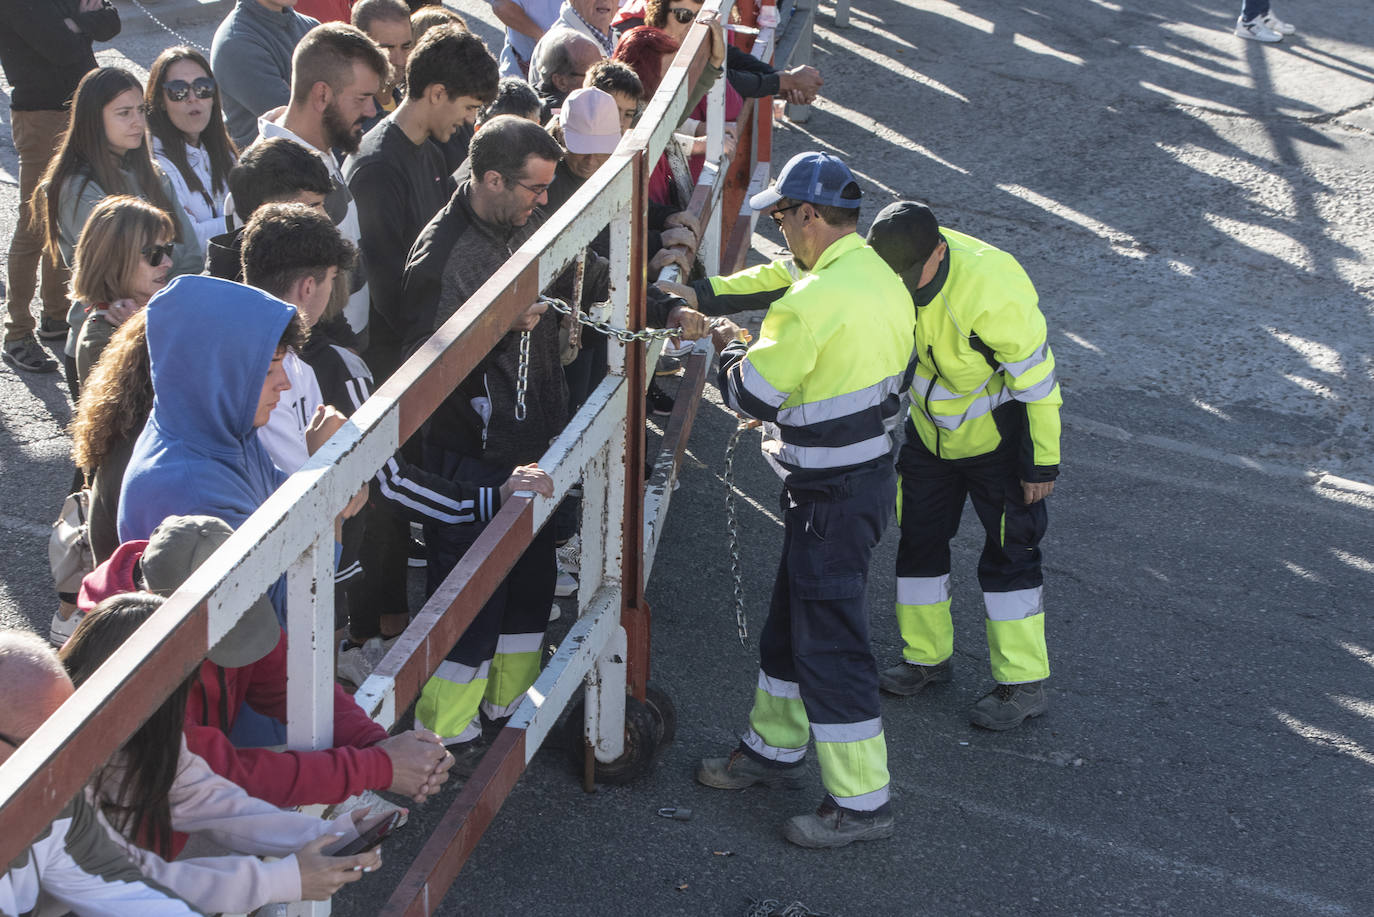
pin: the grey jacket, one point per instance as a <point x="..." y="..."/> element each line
<point x="251" y="60"/>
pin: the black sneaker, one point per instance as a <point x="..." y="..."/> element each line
<point x="53" y="329"/>
<point x="660" y="403"/>
<point x="27" y="354"/>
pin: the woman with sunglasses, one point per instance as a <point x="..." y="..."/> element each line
<point x="105" y="152"/>
<point x="122" y="258"/>
<point x="190" y="141"/>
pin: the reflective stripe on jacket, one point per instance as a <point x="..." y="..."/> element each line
<point x="826" y="372"/>
<point x="981" y="344"/>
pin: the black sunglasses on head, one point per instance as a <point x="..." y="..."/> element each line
<point x="682" y="14"/>
<point x="178" y="90"/>
<point x="155" y="253"/>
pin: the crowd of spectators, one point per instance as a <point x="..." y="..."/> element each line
<point x="233" y="255"/>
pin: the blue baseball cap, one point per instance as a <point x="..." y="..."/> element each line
<point x="814" y="178"/>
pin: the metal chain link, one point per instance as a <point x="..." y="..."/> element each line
<point x="522" y="374"/>
<point x="732" y="530"/>
<point x="171" y="31"/>
<point x="623" y="335"/>
<point x="772" y="907"/>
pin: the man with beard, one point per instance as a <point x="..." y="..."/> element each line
<point x="336" y="74"/>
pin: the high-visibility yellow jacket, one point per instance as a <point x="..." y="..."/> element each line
<point x="827" y="370"/>
<point x="983" y="366"/>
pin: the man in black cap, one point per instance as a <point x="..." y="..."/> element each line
<point x="983" y="423"/>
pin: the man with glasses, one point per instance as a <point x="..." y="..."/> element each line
<point x="825" y="378"/>
<point x="73" y="860"/>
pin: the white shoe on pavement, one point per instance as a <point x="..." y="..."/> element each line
<point x="555" y="613"/>
<point x="1256" y="30"/>
<point x="566" y="585"/>
<point x="1277" y="24"/>
<point x="62" y="628"/>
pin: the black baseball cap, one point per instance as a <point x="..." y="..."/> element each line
<point x="904" y="234"/>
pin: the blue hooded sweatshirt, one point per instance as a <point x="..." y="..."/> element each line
<point x="211" y="344"/>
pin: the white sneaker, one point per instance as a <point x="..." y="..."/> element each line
<point x="1277" y="24"/>
<point x="368" y="798"/>
<point x="570" y="555"/>
<point x="1256" y="30"/>
<point x="355" y="664"/>
<point x="555" y="613"/>
<point x="62" y="628"/>
<point x="566" y="586"/>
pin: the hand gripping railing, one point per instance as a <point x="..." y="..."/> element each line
<point x="292" y="532"/>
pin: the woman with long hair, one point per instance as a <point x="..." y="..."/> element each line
<point x="190" y="141"/>
<point x="117" y="396"/>
<point x="105" y="152"/>
<point x="155" y="786"/>
<point x="122" y="258"/>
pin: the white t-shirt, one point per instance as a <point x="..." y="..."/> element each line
<point x="283" y="436"/>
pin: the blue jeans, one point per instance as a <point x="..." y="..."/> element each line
<point x="1253" y="9"/>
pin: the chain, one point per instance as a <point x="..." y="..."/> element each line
<point x="772" y="907"/>
<point x="622" y="335"/>
<point x="171" y="31"/>
<point x="522" y="376"/>
<point x="732" y="529"/>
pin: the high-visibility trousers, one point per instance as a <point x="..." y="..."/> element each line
<point x="929" y="504"/>
<point x="497" y="659"/>
<point x="817" y="673"/>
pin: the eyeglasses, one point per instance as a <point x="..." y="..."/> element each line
<point x="536" y="190"/>
<point x="178" y="90"/>
<point x="155" y="253"/>
<point x="776" y="215"/>
<point x="682" y="14"/>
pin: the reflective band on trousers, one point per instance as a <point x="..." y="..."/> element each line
<point x="866" y="802"/>
<point x="922" y="590"/>
<point x="1013" y="606"/>
<point x="1035" y="359"/>
<point x="756" y="744"/>
<point x="776" y="687"/>
<point x="985" y="403"/>
<point x="509" y="644"/>
<point x="815" y="412"/>
<point x="847" y="732"/>
<point x="831" y="456"/>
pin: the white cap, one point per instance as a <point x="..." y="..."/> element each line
<point x="591" y="121"/>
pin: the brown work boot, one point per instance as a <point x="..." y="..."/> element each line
<point x="908" y="678"/>
<point x="1006" y="706"/>
<point x="832" y="826"/>
<point x="740" y="770"/>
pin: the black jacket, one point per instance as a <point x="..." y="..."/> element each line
<point x="42" y="57"/>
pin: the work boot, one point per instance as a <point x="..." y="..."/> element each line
<point x="832" y="826"/>
<point x="908" y="678"/>
<point x="1005" y="706"/>
<point x="740" y="770"/>
<point x="467" y="755"/>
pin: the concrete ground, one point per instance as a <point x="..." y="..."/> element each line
<point x="1195" y="212"/>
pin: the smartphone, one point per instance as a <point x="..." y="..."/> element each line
<point x="369" y="838"/>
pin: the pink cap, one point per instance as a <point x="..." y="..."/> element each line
<point x="591" y="121"/>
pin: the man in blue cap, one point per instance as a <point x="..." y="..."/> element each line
<point x="825" y="378"/>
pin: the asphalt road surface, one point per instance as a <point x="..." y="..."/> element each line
<point x="1195" y="211"/>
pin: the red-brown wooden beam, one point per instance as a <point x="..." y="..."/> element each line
<point x="424" y="885"/>
<point x="452" y="607"/>
<point x="634" y="612"/>
<point x="93" y="723"/>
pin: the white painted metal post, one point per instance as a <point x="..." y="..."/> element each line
<point x="801" y="51"/>
<point x="605" y="700"/>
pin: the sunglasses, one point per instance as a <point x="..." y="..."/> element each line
<point x="776" y="215"/>
<point x="178" y="90"/>
<point x="155" y="253"/>
<point x="682" y="14"/>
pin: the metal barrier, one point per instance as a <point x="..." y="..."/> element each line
<point x="607" y="648"/>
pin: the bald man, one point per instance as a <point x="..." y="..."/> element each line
<point x="73" y="860"/>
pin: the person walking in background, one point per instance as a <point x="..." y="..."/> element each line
<point x="45" y="48"/>
<point x="1257" y="22"/>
